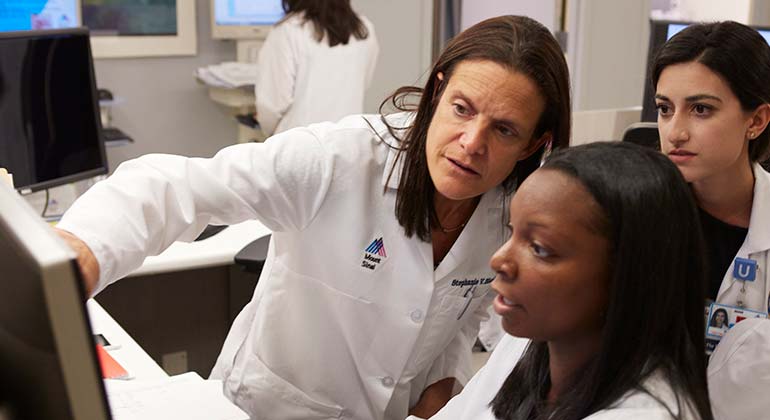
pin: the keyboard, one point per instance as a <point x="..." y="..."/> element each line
<point x="113" y="135"/>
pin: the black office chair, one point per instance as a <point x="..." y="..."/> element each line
<point x="252" y="256"/>
<point x="643" y="133"/>
<point x="251" y="259"/>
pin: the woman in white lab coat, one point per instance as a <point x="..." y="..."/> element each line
<point x="713" y="100"/>
<point x="315" y="65"/>
<point x="377" y="276"/>
<point x="712" y="95"/>
<point x="604" y="273"/>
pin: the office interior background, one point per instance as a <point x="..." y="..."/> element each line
<point x="165" y="110"/>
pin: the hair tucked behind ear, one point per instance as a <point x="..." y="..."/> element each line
<point x="654" y="319"/>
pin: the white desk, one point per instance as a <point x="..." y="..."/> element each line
<point x="215" y="250"/>
<point x="151" y="394"/>
<point x="127" y="352"/>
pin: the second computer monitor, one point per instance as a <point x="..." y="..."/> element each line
<point x="244" y="19"/>
<point x="48" y="365"/>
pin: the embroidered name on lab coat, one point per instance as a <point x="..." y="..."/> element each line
<point x="374" y="255"/>
<point x="472" y="282"/>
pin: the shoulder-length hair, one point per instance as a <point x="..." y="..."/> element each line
<point x="517" y="43"/>
<point x="334" y="18"/>
<point x="737" y="53"/>
<point x="653" y="322"/>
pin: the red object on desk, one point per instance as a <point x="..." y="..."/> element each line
<point x="111" y="369"/>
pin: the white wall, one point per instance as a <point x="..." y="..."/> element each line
<point x="404" y="31"/>
<point x="707" y="10"/>
<point x="607" y="52"/>
<point x="543" y="11"/>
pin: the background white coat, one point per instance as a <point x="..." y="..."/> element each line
<point x="301" y="80"/>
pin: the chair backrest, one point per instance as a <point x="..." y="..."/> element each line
<point x="643" y="133"/>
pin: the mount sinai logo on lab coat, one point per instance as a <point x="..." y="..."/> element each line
<point x="374" y="255"/>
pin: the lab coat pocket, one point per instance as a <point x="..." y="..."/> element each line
<point x="459" y="307"/>
<point x="266" y="395"/>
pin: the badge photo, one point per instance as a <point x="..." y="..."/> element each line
<point x="722" y="317"/>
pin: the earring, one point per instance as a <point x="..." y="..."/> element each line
<point x="751" y="134"/>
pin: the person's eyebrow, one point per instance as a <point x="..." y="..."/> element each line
<point x="693" y="98"/>
<point x="702" y="96"/>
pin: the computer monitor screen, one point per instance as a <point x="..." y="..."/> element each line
<point x="660" y="32"/>
<point x="50" y="131"/>
<point x="48" y="365"/>
<point x="126" y="18"/>
<point x="22" y="15"/>
<point x="244" y="19"/>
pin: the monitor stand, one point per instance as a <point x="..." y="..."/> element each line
<point x="247" y="50"/>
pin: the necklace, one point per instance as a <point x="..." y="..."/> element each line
<point x="452" y="229"/>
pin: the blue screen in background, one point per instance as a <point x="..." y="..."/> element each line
<point x="674" y="28"/>
<point x="22" y="15"/>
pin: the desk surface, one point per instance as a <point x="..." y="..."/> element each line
<point x="126" y="352"/>
<point x="215" y="250"/>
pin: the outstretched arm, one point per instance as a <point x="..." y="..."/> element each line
<point x="89" y="266"/>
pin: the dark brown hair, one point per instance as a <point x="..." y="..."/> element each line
<point x="737" y="53"/>
<point x="334" y="18"/>
<point x="653" y="322"/>
<point x="515" y="42"/>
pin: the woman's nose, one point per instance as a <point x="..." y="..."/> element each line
<point x="473" y="138"/>
<point x="503" y="261"/>
<point x="678" y="132"/>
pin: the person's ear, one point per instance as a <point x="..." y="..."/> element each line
<point x="536" y="144"/>
<point x="758" y="121"/>
<point x="437" y="85"/>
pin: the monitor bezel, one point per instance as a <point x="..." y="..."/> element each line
<point x="104" y="168"/>
<point x="65" y="304"/>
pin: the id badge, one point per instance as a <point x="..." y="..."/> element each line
<point x="720" y="318"/>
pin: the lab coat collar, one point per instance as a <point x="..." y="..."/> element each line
<point x="485" y="225"/>
<point x="758" y="237"/>
<point x="401" y="122"/>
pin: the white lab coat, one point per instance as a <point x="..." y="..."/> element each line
<point x="739" y="372"/>
<point x="323" y="337"/>
<point x="302" y="81"/>
<point x="755" y="246"/>
<point x="473" y="402"/>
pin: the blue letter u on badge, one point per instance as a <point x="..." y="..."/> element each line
<point x="745" y="269"/>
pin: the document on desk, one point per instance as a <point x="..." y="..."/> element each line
<point x="185" y="396"/>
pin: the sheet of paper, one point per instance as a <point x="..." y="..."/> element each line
<point x="184" y="396"/>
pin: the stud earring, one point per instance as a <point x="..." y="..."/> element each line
<point x="751" y="134"/>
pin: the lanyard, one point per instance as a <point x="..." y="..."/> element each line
<point x="744" y="269"/>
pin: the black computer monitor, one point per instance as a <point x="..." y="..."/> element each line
<point x="50" y="131"/>
<point x="660" y="32"/>
<point x="48" y="365"/>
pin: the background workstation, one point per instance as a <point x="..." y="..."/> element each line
<point x="179" y="305"/>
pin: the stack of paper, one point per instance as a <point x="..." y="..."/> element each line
<point x="228" y="74"/>
<point x="185" y="396"/>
